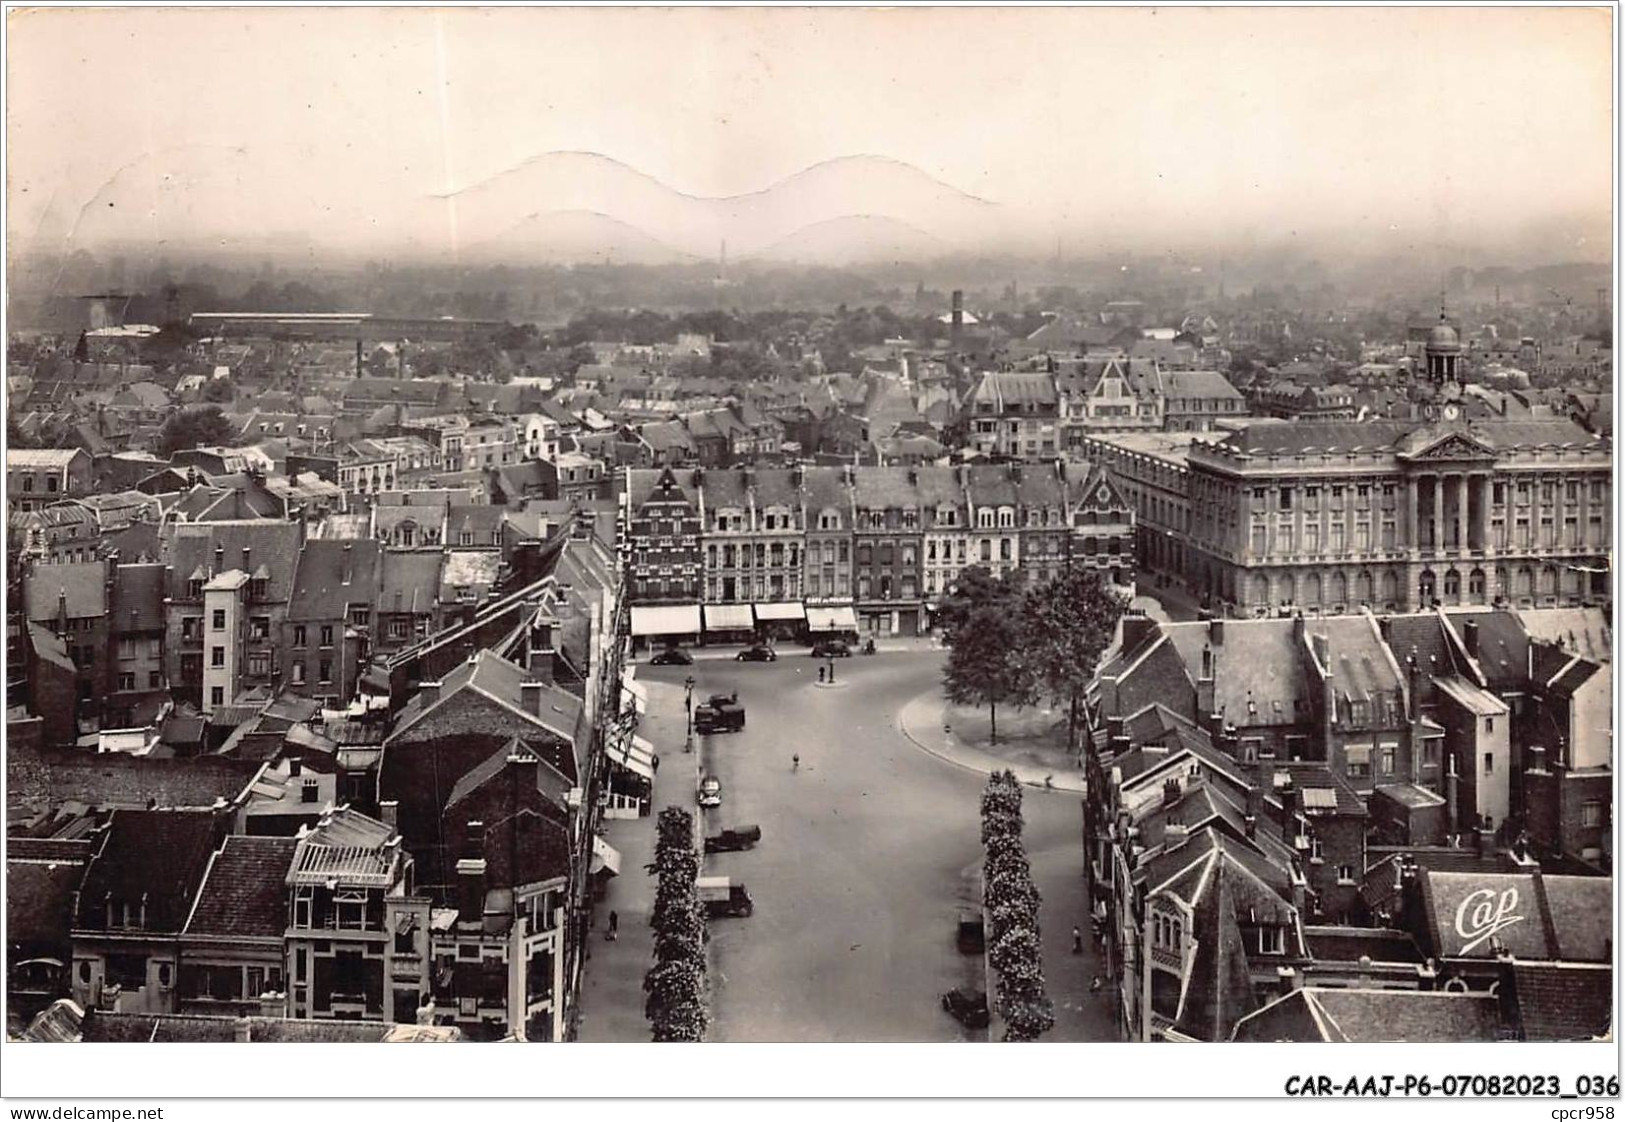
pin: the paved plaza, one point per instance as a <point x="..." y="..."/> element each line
<point x="869" y="851"/>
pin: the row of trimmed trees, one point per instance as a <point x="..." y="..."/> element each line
<point x="1011" y="645"/>
<point x="676" y="983"/>
<point x="1012" y="899"/>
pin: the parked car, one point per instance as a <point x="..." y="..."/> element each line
<point x="831" y="648"/>
<point x="971" y="939"/>
<point x="969" y="1009"/>
<point x="757" y="654"/>
<point x="672" y="656"/>
<point x="722" y="897"/>
<point x="710" y="792"/>
<point x="733" y="839"/>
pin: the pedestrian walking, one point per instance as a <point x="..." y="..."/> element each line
<point x="654" y="764"/>
<point x="820" y="674"/>
<point x="1077" y="940"/>
<point x="614" y="927"/>
<point x="1094" y="985"/>
<point x="795" y="762"/>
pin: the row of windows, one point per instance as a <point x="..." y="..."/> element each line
<point x="763" y="554"/>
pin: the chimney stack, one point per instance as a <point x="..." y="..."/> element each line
<point x="471" y="887"/>
<point x="958" y="319"/>
<point x="346" y="569"/>
<point x="1469" y="636"/>
<point x="534" y="696"/>
<point x="390" y="812"/>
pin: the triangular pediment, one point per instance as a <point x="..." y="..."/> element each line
<point x="1454" y="446"/>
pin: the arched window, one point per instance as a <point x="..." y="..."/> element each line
<point x="1427" y="589"/>
<point x="1475" y="585"/>
<point x="1311" y="590"/>
<point x="1390" y="589"/>
<point x="1339" y="591"/>
<point x="1286" y="589"/>
<point x="1452" y="584"/>
<point x="1363" y="587"/>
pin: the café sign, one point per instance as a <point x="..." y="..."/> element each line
<point x="1484" y="912"/>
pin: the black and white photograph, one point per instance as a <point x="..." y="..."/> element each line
<point x="810" y="526"/>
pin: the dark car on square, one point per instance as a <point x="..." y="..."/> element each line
<point x="831" y="648"/>
<point x="672" y="656"/>
<point x="757" y="654"/>
<point x="720" y="714"/>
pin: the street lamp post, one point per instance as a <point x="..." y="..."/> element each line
<point x="831" y="660"/>
<point x="688" y="704"/>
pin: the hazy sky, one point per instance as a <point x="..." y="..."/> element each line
<point x="337" y="122"/>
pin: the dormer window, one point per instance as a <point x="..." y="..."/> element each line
<point x="194" y="589"/>
<point x="1268" y="939"/>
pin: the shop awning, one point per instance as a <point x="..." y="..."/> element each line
<point x="636" y="755"/>
<point x="832" y="619"/>
<point x="670" y="619"/>
<point x="637" y="693"/>
<point x="780" y="611"/>
<point x="728" y="617"/>
<point x="605" y="858"/>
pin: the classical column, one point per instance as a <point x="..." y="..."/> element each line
<point x="1413" y="502"/>
<point x="1438" y="513"/>
<point x="1485" y="492"/>
<point x="1463" y="485"/>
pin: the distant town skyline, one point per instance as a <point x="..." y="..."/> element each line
<point x="450" y="131"/>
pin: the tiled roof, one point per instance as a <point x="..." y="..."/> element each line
<point x="1307" y="777"/>
<point x="114" y="779"/>
<point x="1582" y="631"/>
<point x="991" y="485"/>
<point x="320" y="591"/>
<point x="271" y="542"/>
<point x="1258" y="676"/>
<point x="1375" y="1016"/>
<point x="1423" y="635"/>
<point x="880" y="488"/>
<point x="245" y="891"/>
<point x="41" y="457"/>
<point x="1207" y="384"/>
<point x="555" y="786"/>
<point x="1563" y="1001"/>
<point x="409" y="581"/>
<point x="1503" y="645"/>
<point x="83" y="584"/>
<point x="1016" y="389"/>
<point x="1359" y="663"/>
<point x="39" y="899"/>
<point x="825" y="487"/>
<point x="1565" y="918"/>
<point x="154" y="855"/>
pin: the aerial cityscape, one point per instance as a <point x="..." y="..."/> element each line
<point x="567" y="564"/>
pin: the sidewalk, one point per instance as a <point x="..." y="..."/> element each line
<point x="718" y="652"/>
<point x="612" y="983"/>
<point x="923" y="721"/>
